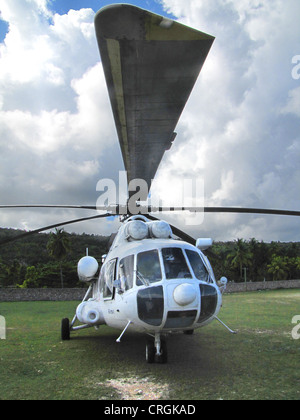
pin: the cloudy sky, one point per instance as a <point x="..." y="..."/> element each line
<point x="239" y="132"/>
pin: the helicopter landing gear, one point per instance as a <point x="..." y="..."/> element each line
<point x="156" y="351"/>
<point x="65" y="329"/>
<point x="150" y="352"/>
<point x="188" y="332"/>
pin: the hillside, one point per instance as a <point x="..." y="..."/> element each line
<point x="27" y="263"/>
<point x="30" y="256"/>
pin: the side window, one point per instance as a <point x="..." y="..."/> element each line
<point x="107" y="278"/>
<point x="198" y="266"/>
<point x="126" y="272"/>
<point x="148" y="268"/>
<point x="175" y="264"/>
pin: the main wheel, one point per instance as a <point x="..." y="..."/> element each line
<point x="163" y="358"/>
<point x="65" y="329"/>
<point x="150" y="352"/>
<point x="188" y="332"/>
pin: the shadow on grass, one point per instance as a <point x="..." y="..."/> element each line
<point x="190" y="358"/>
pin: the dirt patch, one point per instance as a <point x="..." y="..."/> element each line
<point x="136" y="388"/>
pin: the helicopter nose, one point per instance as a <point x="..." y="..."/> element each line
<point x="184" y="294"/>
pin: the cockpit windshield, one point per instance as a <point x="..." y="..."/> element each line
<point x="175" y="264"/>
<point x="148" y="268"/>
<point x="197" y="265"/>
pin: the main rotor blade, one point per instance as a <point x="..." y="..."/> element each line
<point x="122" y="210"/>
<point x="151" y="64"/>
<point x="277" y="212"/>
<point x="43" y="229"/>
<point x="51" y="206"/>
<point x="244" y="210"/>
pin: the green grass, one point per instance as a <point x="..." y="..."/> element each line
<point x="260" y="362"/>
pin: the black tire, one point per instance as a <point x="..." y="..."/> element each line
<point x="150" y="352"/>
<point x="188" y="332"/>
<point x="65" y="329"/>
<point x="163" y="358"/>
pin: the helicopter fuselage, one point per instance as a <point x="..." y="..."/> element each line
<point x="168" y="301"/>
<point x="153" y="284"/>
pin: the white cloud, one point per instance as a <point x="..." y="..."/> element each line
<point x="242" y="113"/>
<point x="55" y="117"/>
<point x="239" y="131"/>
<point x="293" y="103"/>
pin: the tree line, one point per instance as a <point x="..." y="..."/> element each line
<point x="46" y="260"/>
<point x="255" y="260"/>
<point x="50" y="260"/>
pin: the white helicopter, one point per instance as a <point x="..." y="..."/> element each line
<point x="150" y="282"/>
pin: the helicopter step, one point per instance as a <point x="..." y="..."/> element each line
<point x="156" y="350"/>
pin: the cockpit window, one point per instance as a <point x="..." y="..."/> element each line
<point x="175" y="264"/>
<point x="107" y="277"/>
<point x="126" y="272"/>
<point x="198" y="266"/>
<point x="148" y="268"/>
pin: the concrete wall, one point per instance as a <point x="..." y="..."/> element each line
<point x="23" y="295"/>
<point x="262" y="285"/>
<point x="29" y="295"/>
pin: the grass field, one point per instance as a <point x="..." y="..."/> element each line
<point x="260" y="362"/>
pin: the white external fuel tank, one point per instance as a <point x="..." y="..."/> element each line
<point x="90" y="313"/>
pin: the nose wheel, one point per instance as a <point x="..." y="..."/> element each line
<point x="156" y="350"/>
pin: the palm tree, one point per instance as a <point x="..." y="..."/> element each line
<point x="278" y="268"/>
<point x="241" y="256"/>
<point x="58" y="247"/>
<point x="297" y="263"/>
